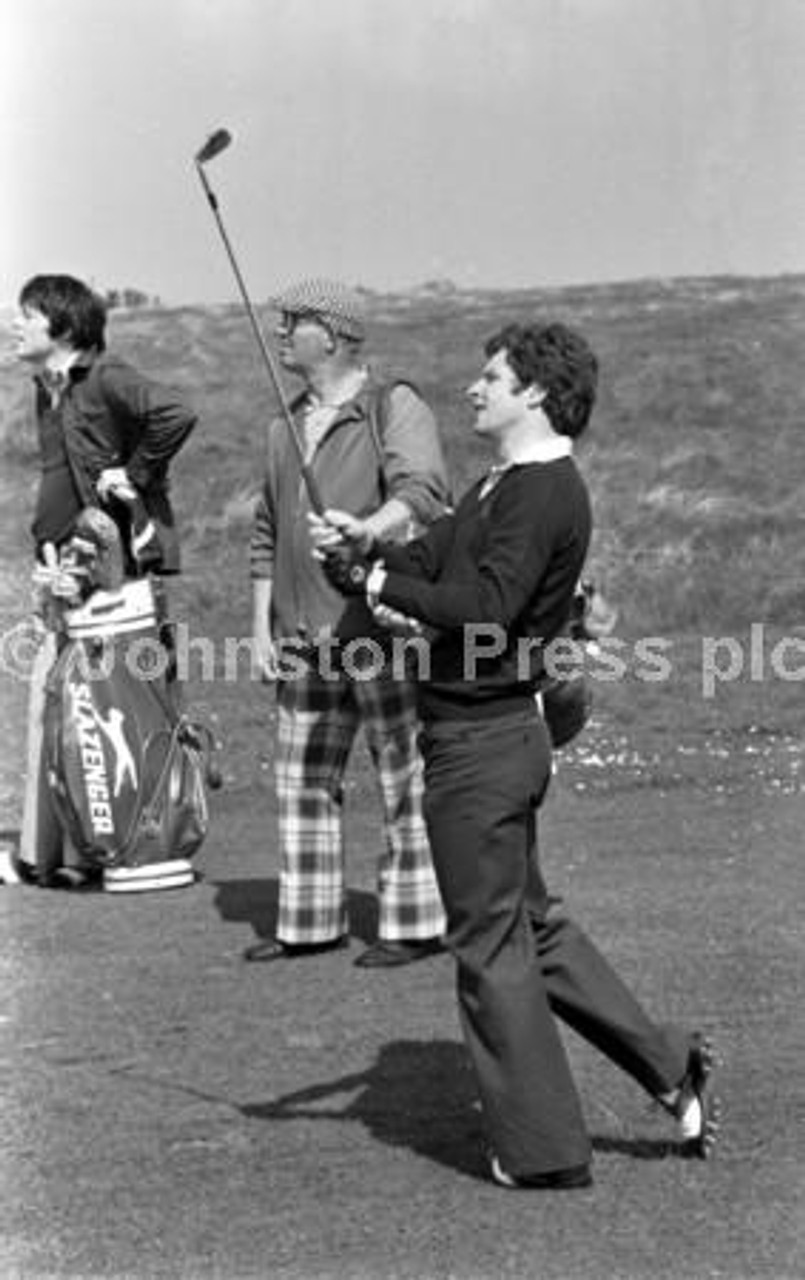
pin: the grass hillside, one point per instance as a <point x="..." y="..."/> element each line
<point x="696" y="460"/>
<point x="696" y="456"/>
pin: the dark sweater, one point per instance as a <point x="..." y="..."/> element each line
<point x="501" y="569"/>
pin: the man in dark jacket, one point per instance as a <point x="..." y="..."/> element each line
<point x="106" y="437"/>
<point x="106" y="433"/>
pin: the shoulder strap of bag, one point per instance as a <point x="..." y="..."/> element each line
<point x="378" y="413"/>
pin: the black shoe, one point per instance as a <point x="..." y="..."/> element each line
<point x="273" y="949"/>
<point x="389" y="955"/>
<point x="72" y="878"/>
<point x="573" y="1179"/>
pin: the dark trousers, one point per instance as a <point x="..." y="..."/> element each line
<point x="517" y="964"/>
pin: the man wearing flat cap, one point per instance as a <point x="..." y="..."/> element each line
<point x="373" y="449"/>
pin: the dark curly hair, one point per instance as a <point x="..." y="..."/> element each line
<point x="73" y="311"/>
<point x="557" y="360"/>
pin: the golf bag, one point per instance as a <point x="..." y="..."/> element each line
<point x="567" y="705"/>
<point x="567" y="702"/>
<point x="127" y="770"/>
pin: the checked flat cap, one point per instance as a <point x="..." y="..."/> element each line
<point x="328" y="300"/>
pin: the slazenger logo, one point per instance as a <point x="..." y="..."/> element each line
<point x="90" y="724"/>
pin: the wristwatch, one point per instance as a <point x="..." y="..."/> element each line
<point x="375" y="583"/>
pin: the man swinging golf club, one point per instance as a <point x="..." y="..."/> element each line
<point x="509" y="560"/>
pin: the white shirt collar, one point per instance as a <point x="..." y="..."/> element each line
<point x="54" y="376"/>
<point x="542" y="451"/>
<point x="62" y="361"/>
<point x="319" y="414"/>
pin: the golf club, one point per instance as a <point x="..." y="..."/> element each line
<point x="215" y="144"/>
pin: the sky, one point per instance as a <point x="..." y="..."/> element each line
<point x="494" y="143"/>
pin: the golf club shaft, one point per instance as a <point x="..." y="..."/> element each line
<point x="307" y="476"/>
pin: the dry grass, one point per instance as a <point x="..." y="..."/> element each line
<point x="695" y="457"/>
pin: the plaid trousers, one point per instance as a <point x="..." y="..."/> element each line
<point x="318" y="719"/>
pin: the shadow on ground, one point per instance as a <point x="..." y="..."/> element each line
<point x="421" y="1095"/>
<point x="255" y="902"/>
<point x="417" y="1094"/>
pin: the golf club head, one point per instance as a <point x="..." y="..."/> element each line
<point x="215" y="144"/>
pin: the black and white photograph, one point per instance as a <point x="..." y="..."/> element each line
<point x="402" y="639"/>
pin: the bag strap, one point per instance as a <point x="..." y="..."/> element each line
<point x="378" y="414"/>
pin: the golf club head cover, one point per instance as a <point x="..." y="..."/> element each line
<point x="347" y="570"/>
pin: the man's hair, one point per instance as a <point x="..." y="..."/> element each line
<point x="74" y="312"/>
<point x="557" y="360"/>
